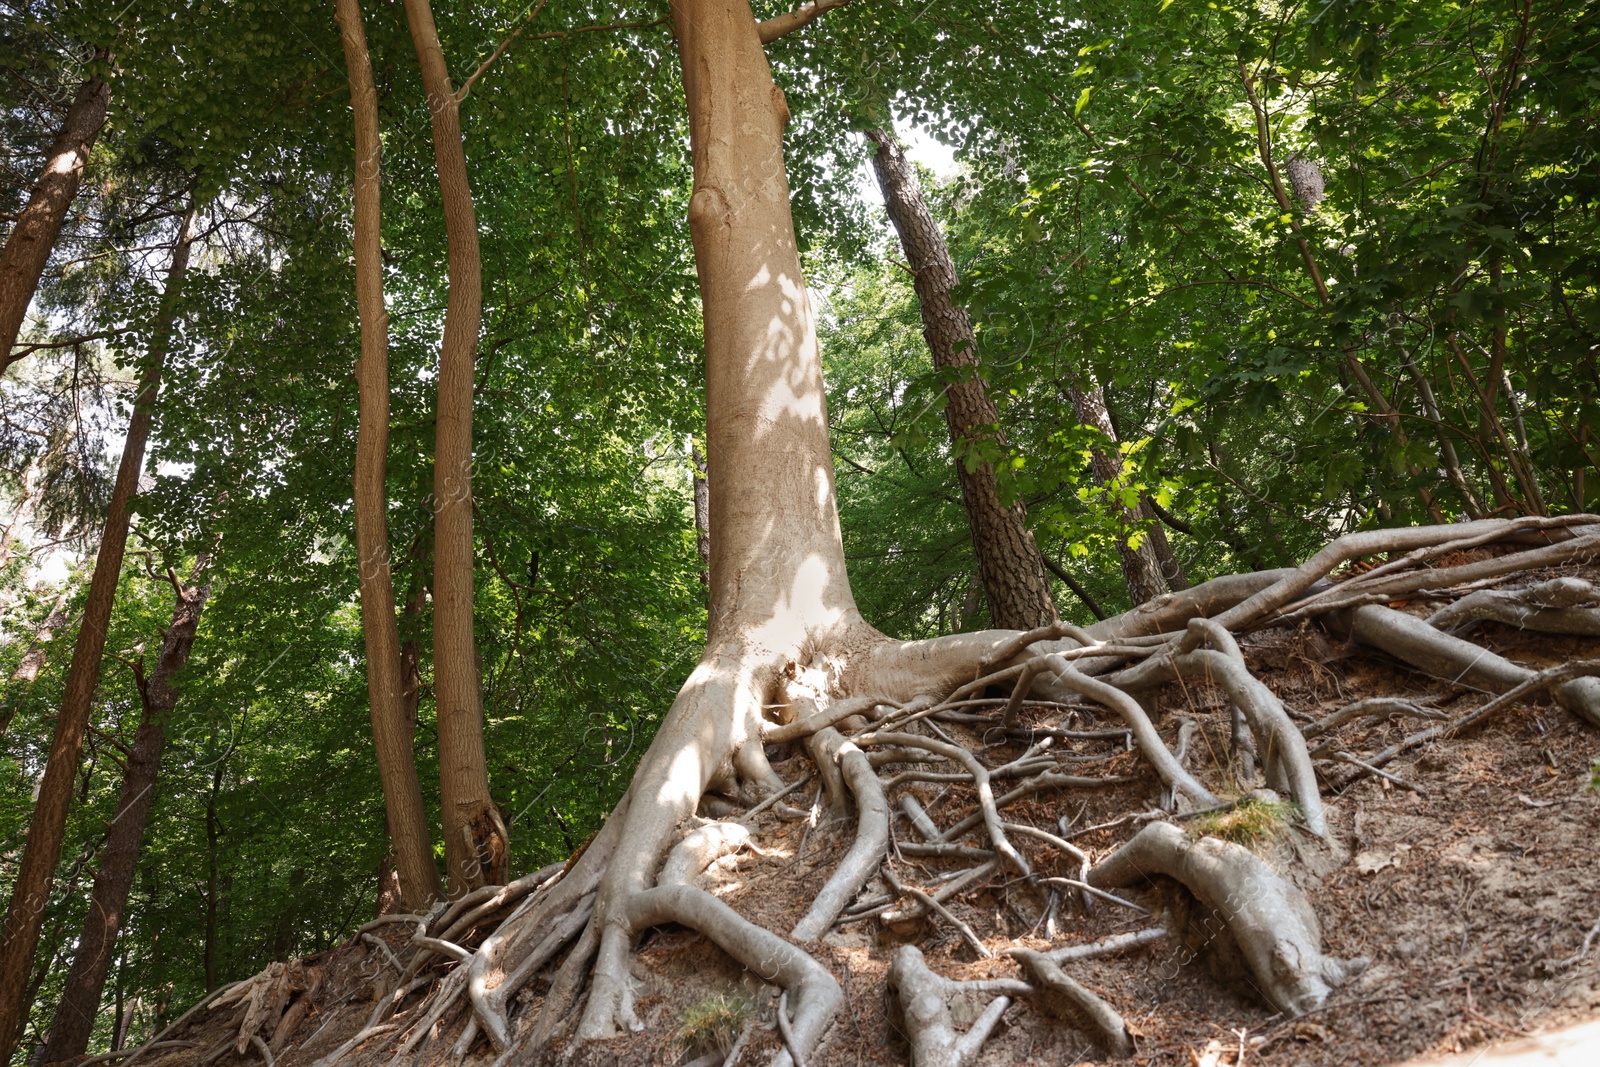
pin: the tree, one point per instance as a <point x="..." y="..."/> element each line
<point x="30" y="892"/>
<point x="393" y="722"/>
<point x="113" y="879"/>
<point x="1013" y="571"/>
<point x="475" y="841"/>
<point x="34" y="232"/>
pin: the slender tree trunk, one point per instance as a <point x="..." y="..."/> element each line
<point x="33" y="660"/>
<point x="391" y="734"/>
<point x="1171" y="567"/>
<point x="1141" y="569"/>
<point x="213" y="883"/>
<point x="20" y="934"/>
<point x="475" y="843"/>
<point x="28" y="247"/>
<point x="80" y="1000"/>
<point x="1013" y="571"/>
<point x="702" y="509"/>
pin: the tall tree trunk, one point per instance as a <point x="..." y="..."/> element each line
<point x="20" y="934"/>
<point x="213" y="882"/>
<point x="28" y="247"/>
<point x="1141" y="569"/>
<point x="1013" y="571"/>
<point x="391" y="732"/>
<point x="475" y="842"/>
<point x="32" y="662"/>
<point x="80" y="1000"/>
<point x="1171" y="567"/>
<point x="782" y="622"/>
<point x="702" y="509"/>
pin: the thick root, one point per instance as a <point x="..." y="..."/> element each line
<point x="1549" y="607"/>
<point x="1064" y="998"/>
<point x="872" y="837"/>
<point x="923" y="1001"/>
<point x="1412" y="640"/>
<point x="813" y="993"/>
<point x="1269" y="919"/>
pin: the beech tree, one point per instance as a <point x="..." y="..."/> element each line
<point x="393" y="717"/>
<point x="1149" y="335"/>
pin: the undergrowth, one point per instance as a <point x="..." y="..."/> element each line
<point x="713" y="1024"/>
<point x="1251" y="822"/>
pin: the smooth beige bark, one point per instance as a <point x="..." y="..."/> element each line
<point x="392" y="727"/>
<point x="475" y="841"/>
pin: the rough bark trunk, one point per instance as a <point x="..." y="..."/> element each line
<point x="475" y="841"/>
<point x="80" y="1000"/>
<point x="1141" y="570"/>
<point x="702" y="510"/>
<point x="1171" y="567"/>
<point x="391" y="729"/>
<point x="1013" y="571"/>
<point x="28" y="247"/>
<point x="47" y="828"/>
<point x="213" y="880"/>
<point x="33" y="660"/>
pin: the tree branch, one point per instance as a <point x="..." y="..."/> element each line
<point x="782" y="25"/>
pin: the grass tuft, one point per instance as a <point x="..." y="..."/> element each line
<point x="714" y="1023"/>
<point x="1251" y="822"/>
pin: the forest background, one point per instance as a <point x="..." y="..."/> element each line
<point x="1332" y="266"/>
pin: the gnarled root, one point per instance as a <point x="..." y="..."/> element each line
<point x="1150" y="744"/>
<point x="1278" y="742"/>
<point x="1064" y="998"/>
<point x="1269" y="919"/>
<point x="813" y="993"/>
<point x="923" y="999"/>
<point x="1550" y="607"/>
<point x="872" y="837"/>
<point x="1412" y="640"/>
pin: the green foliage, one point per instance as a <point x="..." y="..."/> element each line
<point x="1114" y="224"/>
<point x="1252" y="822"/>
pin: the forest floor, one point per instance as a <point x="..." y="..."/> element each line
<point x="1471" y="891"/>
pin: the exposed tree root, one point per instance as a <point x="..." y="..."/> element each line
<point x="923" y="1001"/>
<point x="1550" y="607"/>
<point x="1064" y="998"/>
<point x="910" y="739"/>
<point x="1269" y="920"/>
<point x="1445" y="656"/>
